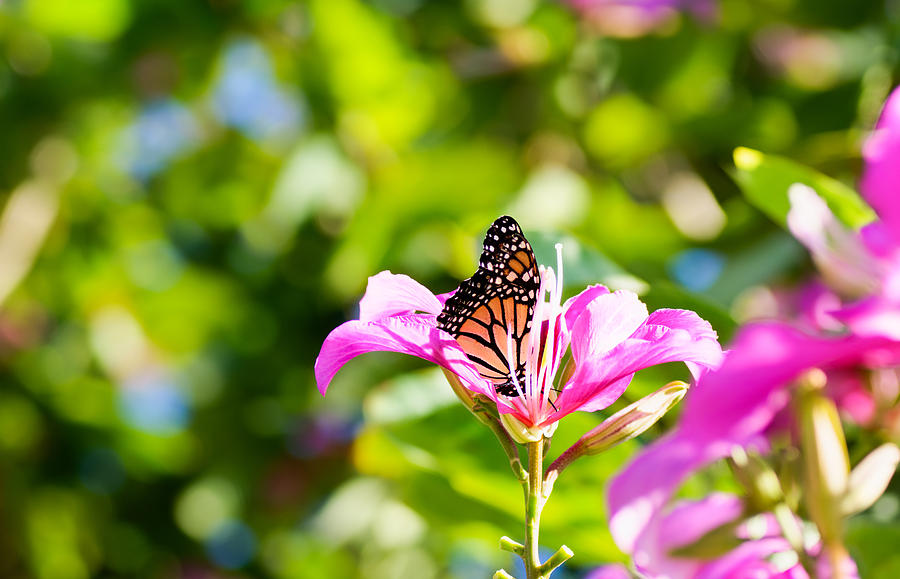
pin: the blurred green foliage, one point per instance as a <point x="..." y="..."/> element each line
<point x="196" y="191"/>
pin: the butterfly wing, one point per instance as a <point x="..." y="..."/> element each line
<point x="492" y="310"/>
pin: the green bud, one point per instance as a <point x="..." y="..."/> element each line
<point x="632" y="420"/>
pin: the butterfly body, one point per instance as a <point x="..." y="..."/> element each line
<point x="490" y="314"/>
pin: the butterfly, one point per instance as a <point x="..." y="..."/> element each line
<point x="496" y="305"/>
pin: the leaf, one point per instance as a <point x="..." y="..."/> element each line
<point x="874" y="547"/>
<point x="765" y="180"/>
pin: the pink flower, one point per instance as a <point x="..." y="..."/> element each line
<point x="731" y="407"/>
<point x="881" y="174"/>
<point x="630" y="18"/>
<point x="611" y="335"/>
<point x="688" y="521"/>
<point x="863" y="266"/>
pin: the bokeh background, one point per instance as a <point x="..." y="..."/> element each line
<point x="195" y="191"/>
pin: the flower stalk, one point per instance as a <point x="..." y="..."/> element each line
<point x="534" y="504"/>
<point x="536" y="495"/>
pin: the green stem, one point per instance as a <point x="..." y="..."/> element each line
<point x="534" y="503"/>
<point x="558" y="465"/>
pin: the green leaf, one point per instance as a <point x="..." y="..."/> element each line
<point x="765" y="180"/>
<point x="873" y="545"/>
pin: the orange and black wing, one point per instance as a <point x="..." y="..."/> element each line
<point x="490" y="314"/>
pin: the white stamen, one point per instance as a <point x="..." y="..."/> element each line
<point x="509" y="359"/>
<point x="540" y="366"/>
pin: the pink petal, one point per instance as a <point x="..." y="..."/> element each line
<point x="687" y="522"/>
<point x="749" y="560"/>
<point x="575" y="306"/>
<point x="665" y="336"/>
<point x="444" y="297"/>
<point x="391" y="294"/>
<point x="609" y="394"/>
<point x="606" y="321"/>
<point x="851" y="396"/>
<point x="637" y="495"/>
<point x="881" y="174"/>
<point x="879" y="240"/>
<point x="810" y="220"/>
<point x="416" y="335"/>
<point x="839" y="252"/>
<point x="848" y="568"/>
<point x="690" y="520"/>
<point x="871" y="316"/>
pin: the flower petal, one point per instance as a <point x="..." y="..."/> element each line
<point x="871" y="316"/>
<point x="607" y="320"/>
<point x="575" y="306"/>
<point x="637" y="495"/>
<point x="881" y="174"/>
<point x="666" y="336"/>
<point x="687" y="522"/>
<point x="838" y="252"/>
<point x="416" y="335"/>
<point x="389" y="294"/>
<point x="751" y="559"/>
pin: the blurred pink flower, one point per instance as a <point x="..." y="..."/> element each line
<point x="881" y="174"/>
<point x="733" y="406"/>
<point x="809" y="308"/>
<point x="864" y="267"/>
<point x="629" y="18"/>
<point x="611" y="336"/>
<point x="688" y="521"/>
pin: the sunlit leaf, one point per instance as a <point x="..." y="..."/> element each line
<point x="765" y="179"/>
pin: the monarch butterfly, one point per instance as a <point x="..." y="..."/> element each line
<point x="490" y="314"/>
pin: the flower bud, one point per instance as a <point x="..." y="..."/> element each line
<point x="870" y="478"/>
<point x="826" y="464"/>
<point x="632" y="420"/>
